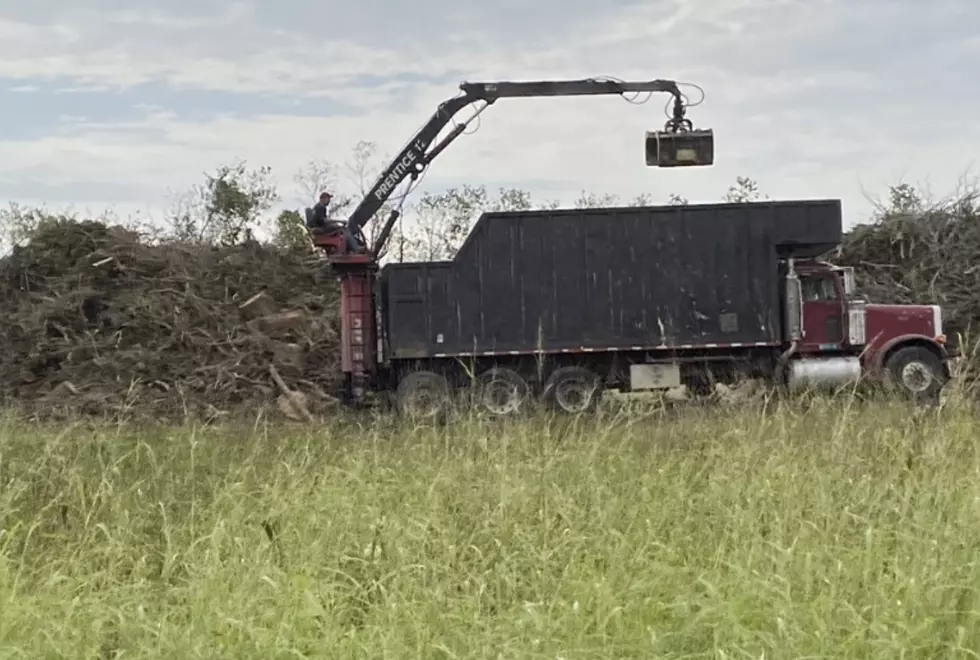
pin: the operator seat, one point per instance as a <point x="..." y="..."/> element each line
<point x="330" y="227"/>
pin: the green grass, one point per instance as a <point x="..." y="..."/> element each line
<point x="840" y="532"/>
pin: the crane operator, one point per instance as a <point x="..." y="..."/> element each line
<point x="318" y="219"/>
<point x="318" y="222"/>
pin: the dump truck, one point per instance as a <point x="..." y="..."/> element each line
<point x="559" y="305"/>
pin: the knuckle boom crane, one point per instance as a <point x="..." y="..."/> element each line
<point x="355" y="262"/>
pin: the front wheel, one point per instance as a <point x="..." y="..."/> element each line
<point x="917" y="372"/>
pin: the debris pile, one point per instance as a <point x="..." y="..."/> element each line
<point x="930" y="256"/>
<point x="100" y="320"/>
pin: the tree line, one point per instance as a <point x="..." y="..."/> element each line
<point x="237" y="202"/>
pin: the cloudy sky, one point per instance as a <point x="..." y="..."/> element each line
<point x="122" y="103"/>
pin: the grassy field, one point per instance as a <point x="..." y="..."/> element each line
<point x="838" y="532"/>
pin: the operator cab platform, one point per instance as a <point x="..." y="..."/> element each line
<point x="328" y="236"/>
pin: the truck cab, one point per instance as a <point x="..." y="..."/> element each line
<point x="839" y="334"/>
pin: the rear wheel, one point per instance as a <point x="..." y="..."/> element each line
<point x="423" y="395"/>
<point x="916" y="372"/>
<point x="573" y="390"/>
<point x="502" y="392"/>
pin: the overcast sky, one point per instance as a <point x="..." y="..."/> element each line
<point x="118" y="103"/>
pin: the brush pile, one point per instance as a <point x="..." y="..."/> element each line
<point x="100" y="320"/>
<point x="922" y="256"/>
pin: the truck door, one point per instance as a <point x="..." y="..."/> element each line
<point x="823" y="312"/>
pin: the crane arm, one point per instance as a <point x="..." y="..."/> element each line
<point x="412" y="160"/>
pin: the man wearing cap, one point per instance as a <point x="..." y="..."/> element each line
<point x="318" y="218"/>
<point x="319" y="222"/>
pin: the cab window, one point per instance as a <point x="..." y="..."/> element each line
<point x="816" y="289"/>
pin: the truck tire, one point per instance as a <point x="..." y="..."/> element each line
<point x="423" y="395"/>
<point x="502" y="392"/>
<point x="916" y="372"/>
<point x="573" y="390"/>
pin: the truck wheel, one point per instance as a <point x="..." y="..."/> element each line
<point x="573" y="390"/>
<point x="917" y="372"/>
<point x="422" y="394"/>
<point x="502" y="392"/>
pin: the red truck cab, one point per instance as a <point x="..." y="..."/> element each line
<point x="840" y="336"/>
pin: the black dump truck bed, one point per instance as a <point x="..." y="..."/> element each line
<point x="568" y="280"/>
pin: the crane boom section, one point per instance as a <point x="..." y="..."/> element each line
<point x="416" y="155"/>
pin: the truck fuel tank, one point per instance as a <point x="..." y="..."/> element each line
<point x="694" y="148"/>
<point x="823" y="373"/>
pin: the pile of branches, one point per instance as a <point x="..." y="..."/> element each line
<point x="924" y="255"/>
<point x="100" y="320"/>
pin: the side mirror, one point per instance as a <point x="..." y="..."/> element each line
<point x="682" y="149"/>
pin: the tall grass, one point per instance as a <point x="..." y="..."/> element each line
<point x="841" y="532"/>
